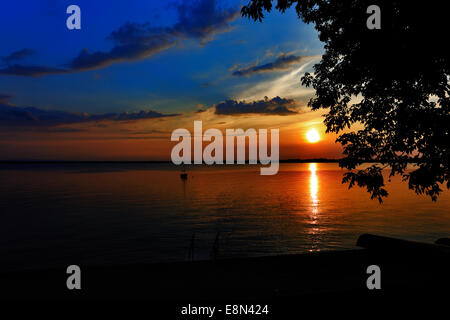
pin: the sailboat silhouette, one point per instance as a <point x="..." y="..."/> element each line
<point x="183" y="174"/>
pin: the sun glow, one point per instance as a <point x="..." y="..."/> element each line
<point x="312" y="136"/>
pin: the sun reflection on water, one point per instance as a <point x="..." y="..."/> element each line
<point x="313" y="187"/>
<point x="314" y="230"/>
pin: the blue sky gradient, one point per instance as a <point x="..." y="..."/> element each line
<point x="172" y="80"/>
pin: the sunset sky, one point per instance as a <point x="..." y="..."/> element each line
<point x="137" y="70"/>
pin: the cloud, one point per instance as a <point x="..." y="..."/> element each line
<point x="202" y="20"/>
<point x="286" y="85"/>
<point x="12" y="116"/>
<point x="283" y="62"/>
<point x="133" y="41"/>
<point x="275" y="106"/>
<point x="18" y="55"/>
<point x="199" y="20"/>
<point x="126" y="51"/>
<point x="30" y="71"/>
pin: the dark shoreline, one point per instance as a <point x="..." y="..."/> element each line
<point x="411" y="271"/>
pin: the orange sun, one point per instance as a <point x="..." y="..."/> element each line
<point x="312" y="136"/>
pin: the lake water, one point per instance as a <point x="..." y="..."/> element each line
<point x="63" y="214"/>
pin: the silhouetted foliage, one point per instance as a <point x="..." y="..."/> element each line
<point x="387" y="90"/>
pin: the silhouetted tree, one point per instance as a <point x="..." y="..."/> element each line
<point x="387" y="90"/>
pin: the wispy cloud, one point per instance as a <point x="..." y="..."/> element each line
<point x="287" y="85"/>
<point x="281" y="63"/>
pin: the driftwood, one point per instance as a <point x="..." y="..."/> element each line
<point x="380" y="243"/>
<point x="443" y="241"/>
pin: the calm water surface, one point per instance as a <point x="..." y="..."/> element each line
<point x="125" y="213"/>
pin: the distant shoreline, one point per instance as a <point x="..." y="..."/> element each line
<point x="313" y="160"/>
<point x="141" y="162"/>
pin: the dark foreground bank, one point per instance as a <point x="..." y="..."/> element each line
<point x="410" y="271"/>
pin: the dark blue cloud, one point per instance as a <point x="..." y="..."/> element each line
<point x="30" y="71"/>
<point x="11" y="116"/>
<point x="283" y="62"/>
<point x="18" y="55"/>
<point x="275" y="106"/>
<point x="130" y="47"/>
<point x="196" y="20"/>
